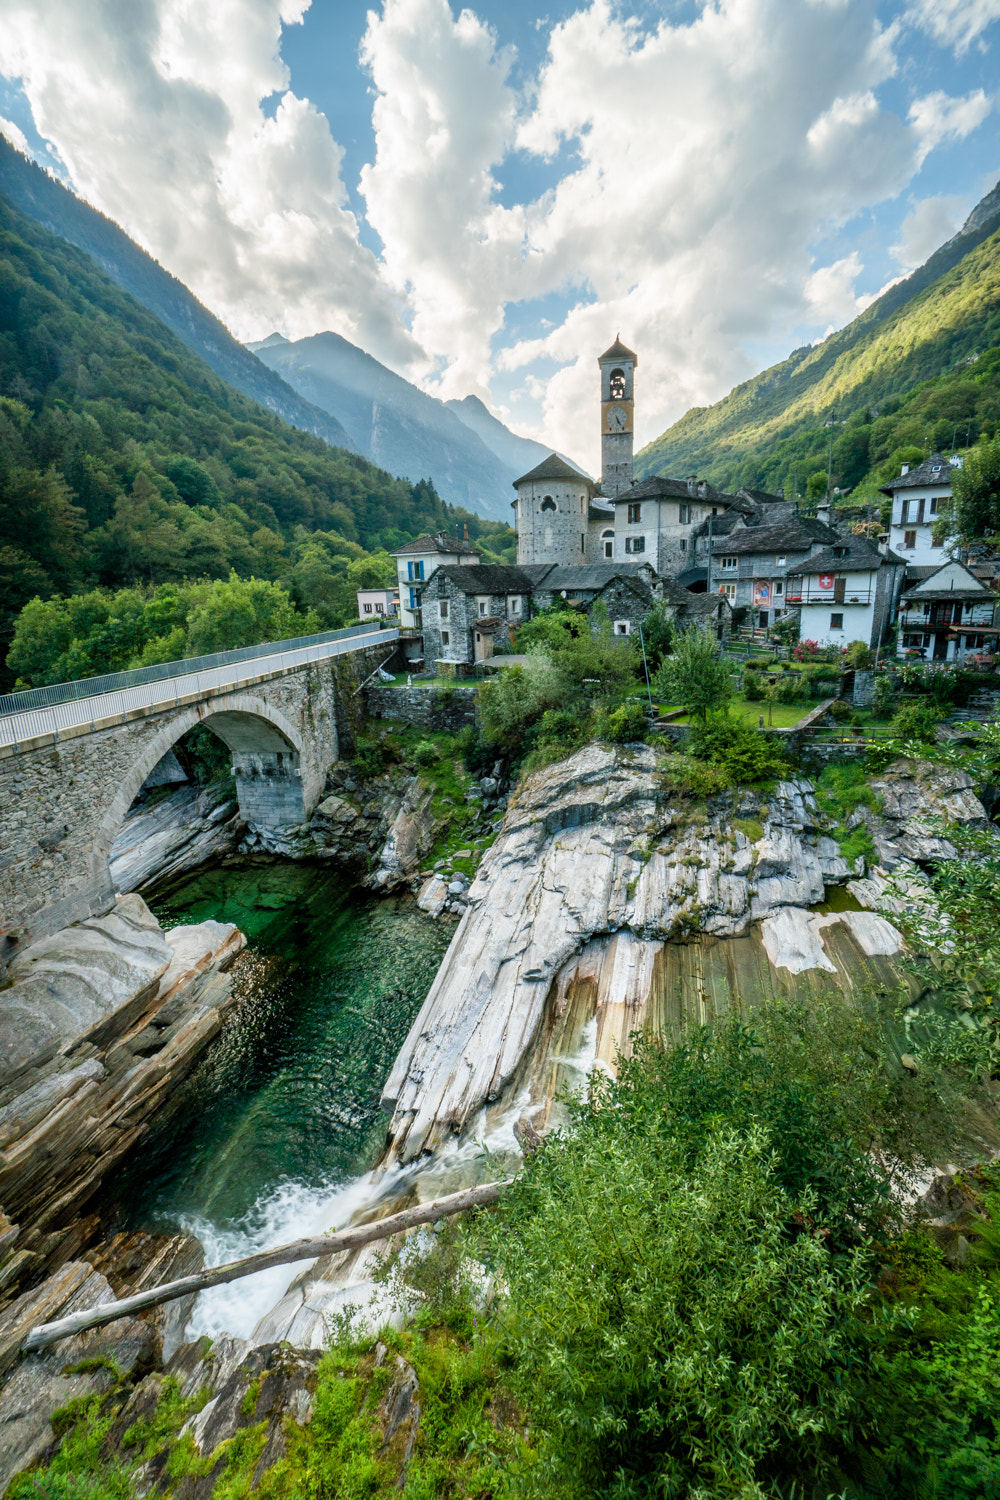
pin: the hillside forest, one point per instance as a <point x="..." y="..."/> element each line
<point x="133" y="480"/>
<point x="917" y="374"/>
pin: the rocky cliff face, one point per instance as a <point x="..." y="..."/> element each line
<point x="99" y="1021"/>
<point x="598" y="866"/>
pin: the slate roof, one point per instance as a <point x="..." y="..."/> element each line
<point x="618" y="351"/>
<point x="440" y="543"/>
<point x="763" y="497"/>
<point x="850" y="554"/>
<point x="659" y="484"/>
<point x="590" y="575"/>
<point x="982" y="593"/>
<point x="601" y="510"/>
<point x="555" y="467"/>
<point x="933" y="470"/>
<point x="485" y="578"/>
<point x="790" y="536"/>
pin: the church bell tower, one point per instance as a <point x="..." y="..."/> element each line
<point x="617" y="366"/>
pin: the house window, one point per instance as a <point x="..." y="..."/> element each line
<point x="622" y="627"/>
<point x="934" y="505"/>
<point x="909" y="539"/>
<point x="728" y="564"/>
<point x="912" y="642"/>
<point x="684" y="545"/>
<point x="548" y="503"/>
<point x="483" y="606"/>
<point x="415" y="572"/>
<point x="608" y="538"/>
<point x="583" y="542"/>
<point x="368" y="609"/>
<point x="779" y="588"/>
<point x="779" y="562"/>
<point x="581" y="505"/>
<point x="684" y="514"/>
<point x="514" y="604"/>
<point x="634" y="514"/>
<point x="380" y="609"/>
<point x="836" y="622"/>
<point x="413" y="599"/>
<point x="443" y="609"/>
<point x="445" y="638"/>
<point x="729" y="589"/>
<point x="635" y="544"/>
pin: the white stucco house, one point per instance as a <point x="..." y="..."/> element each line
<point x="916" y="496"/>
<point x="846" y="593"/>
<point x="372" y="602"/>
<point x="416" y="563"/>
<point x="947" y="616"/>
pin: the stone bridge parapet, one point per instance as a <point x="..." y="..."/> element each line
<point x="64" y="794"/>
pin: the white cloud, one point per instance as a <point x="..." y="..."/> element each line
<point x="707" y="156"/>
<point x="15" y="135"/>
<point x="154" y="106"/>
<point x="929" y="223"/>
<point x="696" y="167"/>
<point x="939" y="119"/>
<point x="955" y="23"/>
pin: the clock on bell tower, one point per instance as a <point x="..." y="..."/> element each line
<point x="617" y="366"/>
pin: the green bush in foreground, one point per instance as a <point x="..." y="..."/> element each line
<point x="743" y="753"/>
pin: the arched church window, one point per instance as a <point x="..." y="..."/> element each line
<point x="617" y="385"/>
<point x="608" y="538"/>
<point x="548" y="503"/>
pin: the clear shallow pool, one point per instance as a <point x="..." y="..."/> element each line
<point x="284" y="1110"/>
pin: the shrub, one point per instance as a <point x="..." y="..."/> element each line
<point x="752" y="690"/>
<point x="743" y="752"/>
<point x="788" y="689"/>
<point x="478" y="755"/>
<point x="840" y="710"/>
<point x="623" y="724"/>
<point x="917" y="721"/>
<point x="692" y="778"/>
<point x="884" y="694"/>
<point x="425" y="753"/>
<point x="512" y="702"/>
<point x="859" y="656"/>
<point x="672" y="1331"/>
<point x="804" y="650"/>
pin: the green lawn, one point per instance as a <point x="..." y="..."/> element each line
<point x="783" y="715"/>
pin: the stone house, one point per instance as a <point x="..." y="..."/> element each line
<point x="417" y="561"/>
<point x="846" y="592"/>
<point x="750" y="566"/>
<point x="468" y="612"/>
<point x="557" y="517"/>
<point x="946" y="616"/>
<point x="709" y="611"/>
<point x="626" y="592"/>
<point x="916" y="496"/>
<point x="661" y="522"/>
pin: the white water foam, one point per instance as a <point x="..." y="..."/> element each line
<point x="294" y="1210"/>
<point x="291" y="1211"/>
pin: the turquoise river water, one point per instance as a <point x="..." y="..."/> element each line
<point x="278" y="1127"/>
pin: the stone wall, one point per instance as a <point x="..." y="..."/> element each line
<point x="445" y="710"/>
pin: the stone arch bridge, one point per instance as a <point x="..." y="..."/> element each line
<point x="73" y="758"/>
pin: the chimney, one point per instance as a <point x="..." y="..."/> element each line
<point x="823" y="512"/>
<point x="466" y="536"/>
<point x="904" y="470"/>
<point x="692" y="483"/>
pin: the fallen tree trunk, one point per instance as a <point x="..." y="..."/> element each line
<point x="325" y="1244"/>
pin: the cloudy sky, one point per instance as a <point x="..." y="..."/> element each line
<point x="483" y="198"/>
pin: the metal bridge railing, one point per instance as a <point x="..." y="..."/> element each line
<point x="172" y="682"/>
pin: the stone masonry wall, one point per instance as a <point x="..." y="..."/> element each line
<point x="445" y="710"/>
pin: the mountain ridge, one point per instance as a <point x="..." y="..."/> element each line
<point x="803" y="388"/>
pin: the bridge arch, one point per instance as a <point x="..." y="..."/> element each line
<point x="266" y="749"/>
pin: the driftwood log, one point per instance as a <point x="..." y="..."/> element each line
<point x="325" y="1244"/>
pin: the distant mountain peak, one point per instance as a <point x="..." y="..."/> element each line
<point x="986" y="209"/>
<point x="268" y="343"/>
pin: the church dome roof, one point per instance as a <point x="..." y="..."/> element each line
<point x="618" y="351"/>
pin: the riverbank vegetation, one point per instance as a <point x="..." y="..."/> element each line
<point x="706" y="1285"/>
